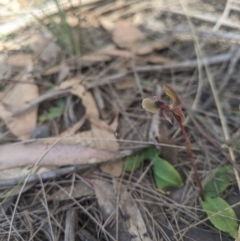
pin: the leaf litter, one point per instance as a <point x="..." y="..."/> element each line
<point x="101" y="120"/>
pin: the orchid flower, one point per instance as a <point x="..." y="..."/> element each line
<point x="154" y="106"/>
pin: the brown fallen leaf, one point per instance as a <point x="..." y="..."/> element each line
<point x="18" y="95"/>
<point x="58" y="155"/>
<point x="126" y="35"/>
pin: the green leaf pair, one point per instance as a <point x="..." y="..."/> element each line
<point x="165" y="175"/>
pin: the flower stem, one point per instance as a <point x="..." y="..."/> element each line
<point x="193" y="163"/>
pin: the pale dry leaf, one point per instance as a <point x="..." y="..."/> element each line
<point x="72" y="21"/>
<point x="98" y="138"/>
<point x="126" y="35"/>
<point x="58" y="155"/>
<point x="70" y="83"/>
<point x="95" y="58"/>
<point x="53" y="70"/>
<point x="156" y="59"/>
<point x="19" y="60"/>
<point x="114" y="169"/>
<point x="106" y="23"/>
<point x="129" y="208"/>
<point x="23" y="125"/>
<point x="126" y="83"/>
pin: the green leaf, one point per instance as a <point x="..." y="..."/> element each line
<point x="219" y="182"/>
<point x="165" y="175"/>
<point x="150" y="153"/>
<point x="226" y="219"/>
<point x="54" y="112"/>
<point x="133" y="162"/>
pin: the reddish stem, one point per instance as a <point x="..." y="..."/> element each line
<point x="190" y="156"/>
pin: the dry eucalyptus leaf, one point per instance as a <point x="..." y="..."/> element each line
<point x="58" y="155"/>
<point x="126" y="83"/>
<point x="126" y="35"/>
<point x="19" y="60"/>
<point x="106" y="23"/>
<point x="98" y="138"/>
<point x="95" y="58"/>
<point x="70" y="83"/>
<point x="72" y="21"/>
<point x="23" y="125"/>
<point x="53" y="70"/>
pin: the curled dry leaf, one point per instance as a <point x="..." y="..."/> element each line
<point x="23" y="125"/>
